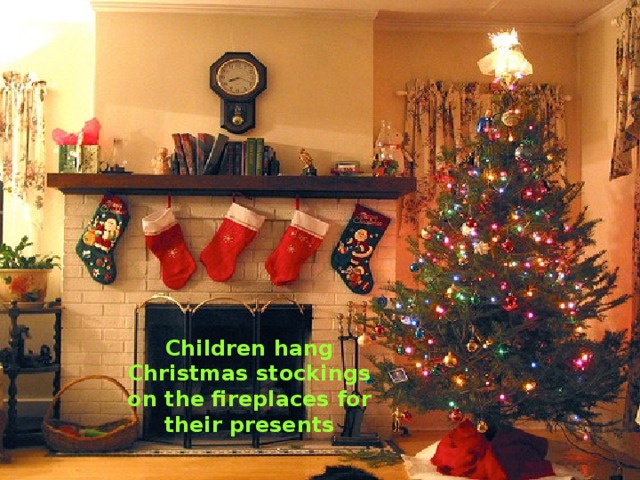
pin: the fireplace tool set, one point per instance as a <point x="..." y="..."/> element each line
<point x="351" y="430"/>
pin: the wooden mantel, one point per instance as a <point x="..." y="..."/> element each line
<point x="224" y="185"/>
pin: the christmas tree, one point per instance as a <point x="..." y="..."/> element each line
<point x="507" y="281"/>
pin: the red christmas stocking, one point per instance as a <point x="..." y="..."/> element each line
<point x="163" y="236"/>
<point x="300" y="240"/>
<point x="238" y="229"/>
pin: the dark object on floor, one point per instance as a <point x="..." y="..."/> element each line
<point x="344" y="473"/>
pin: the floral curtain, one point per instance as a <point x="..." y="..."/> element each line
<point x="627" y="138"/>
<point x="22" y="145"/>
<point x="443" y="117"/>
<point x="627" y="133"/>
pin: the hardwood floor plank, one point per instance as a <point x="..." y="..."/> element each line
<point x="36" y="464"/>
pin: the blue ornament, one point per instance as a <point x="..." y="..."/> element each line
<point x="484" y="123"/>
<point x="382" y="301"/>
<point x="414" y="267"/>
<point x="419" y="333"/>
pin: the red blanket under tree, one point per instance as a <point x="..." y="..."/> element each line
<point x="511" y="455"/>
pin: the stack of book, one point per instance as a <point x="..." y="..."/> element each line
<point x="204" y="154"/>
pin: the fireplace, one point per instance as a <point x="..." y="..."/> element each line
<point x="220" y="348"/>
<point x="98" y="319"/>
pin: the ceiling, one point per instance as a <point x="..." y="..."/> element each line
<point x="567" y="13"/>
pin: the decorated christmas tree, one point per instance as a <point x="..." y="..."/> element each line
<point x="508" y="280"/>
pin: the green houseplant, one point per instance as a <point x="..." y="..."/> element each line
<point x="23" y="277"/>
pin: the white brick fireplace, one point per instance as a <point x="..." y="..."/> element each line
<point x="98" y="320"/>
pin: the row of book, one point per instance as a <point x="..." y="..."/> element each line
<point x="204" y="154"/>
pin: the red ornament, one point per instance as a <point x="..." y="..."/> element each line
<point x="471" y="223"/>
<point x="406" y="415"/>
<point x="507" y="246"/>
<point x="379" y="329"/>
<point x="510" y="303"/>
<point x="456" y="415"/>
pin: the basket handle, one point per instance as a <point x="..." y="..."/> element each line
<point x="56" y="398"/>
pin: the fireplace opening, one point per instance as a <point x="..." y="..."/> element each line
<point x="226" y="345"/>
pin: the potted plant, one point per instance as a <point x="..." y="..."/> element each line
<point x="23" y="278"/>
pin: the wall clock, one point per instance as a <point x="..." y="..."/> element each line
<point x="238" y="78"/>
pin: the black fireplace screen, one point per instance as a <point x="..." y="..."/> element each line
<point x="206" y="372"/>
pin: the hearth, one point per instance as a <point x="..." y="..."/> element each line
<point x="203" y="367"/>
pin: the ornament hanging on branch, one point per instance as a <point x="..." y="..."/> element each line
<point x="456" y="415"/>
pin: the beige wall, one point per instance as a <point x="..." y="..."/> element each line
<point x="152" y="79"/>
<point x="58" y="45"/>
<point x="611" y="201"/>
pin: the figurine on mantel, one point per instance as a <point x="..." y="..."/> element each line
<point x="309" y="169"/>
<point x="161" y="162"/>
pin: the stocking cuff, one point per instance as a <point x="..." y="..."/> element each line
<point x="158" y="222"/>
<point x="245" y="217"/>
<point x="311" y="225"/>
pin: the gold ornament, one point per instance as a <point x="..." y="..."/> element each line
<point x="472" y="346"/>
<point x="449" y="360"/>
<point x="511" y="117"/>
<point x="482" y="426"/>
<point x="481" y="248"/>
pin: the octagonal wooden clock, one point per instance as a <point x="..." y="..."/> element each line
<point x="238" y="78"/>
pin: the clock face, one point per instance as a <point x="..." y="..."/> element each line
<point x="237" y="77"/>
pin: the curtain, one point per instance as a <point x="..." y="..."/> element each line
<point x="22" y="147"/>
<point x="441" y="119"/>
<point x="627" y="132"/>
<point x="626" y="139"/>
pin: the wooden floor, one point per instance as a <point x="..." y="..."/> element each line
<point x="35" y="463"/>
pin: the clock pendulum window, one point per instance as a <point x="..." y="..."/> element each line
<point x="238" y="78"/>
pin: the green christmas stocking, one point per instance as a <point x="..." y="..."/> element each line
<point x="100" y="237"/>
<point x="351" y="256"/>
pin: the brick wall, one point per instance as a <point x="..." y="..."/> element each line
<point x="98" y="321"/>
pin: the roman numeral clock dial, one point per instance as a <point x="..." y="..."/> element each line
<point x="238" y="78"/>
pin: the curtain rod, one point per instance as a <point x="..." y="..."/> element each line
<point x="404" y="93"/>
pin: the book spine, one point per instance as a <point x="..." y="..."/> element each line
<point x="204" y="145"/>
<point x="189" y="152"/>
<point x="259" y="155"/>
<point x="226" y="167"/>
<point x="182" y="165"/>
<point x="251" y="156"/>
<point x="212" y="167"/>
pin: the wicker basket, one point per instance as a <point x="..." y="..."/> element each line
<point x="119" y="435"/>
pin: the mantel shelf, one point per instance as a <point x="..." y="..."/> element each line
<point x="224" y="185"/>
